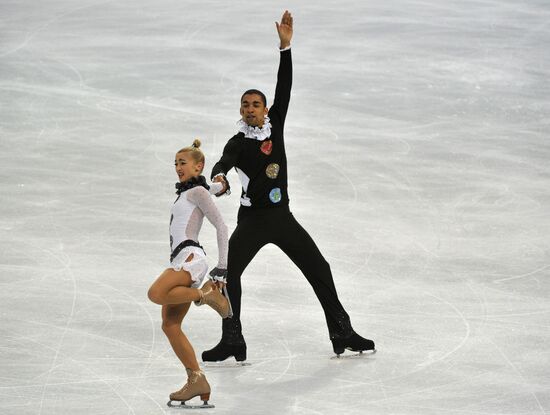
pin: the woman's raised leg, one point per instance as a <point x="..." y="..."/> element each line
<point x="173" y="287"/>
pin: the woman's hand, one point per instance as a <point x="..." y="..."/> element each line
<point x="219" y="277"/>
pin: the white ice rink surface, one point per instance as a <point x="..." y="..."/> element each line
<point x="419" y="161"/>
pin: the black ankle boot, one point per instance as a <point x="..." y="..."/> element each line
<point x="225" y="350"/>
<point x="231" y="344"/>
<point x="354" y="343"/>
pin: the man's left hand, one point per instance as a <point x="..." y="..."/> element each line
<point x="285" y="29"/>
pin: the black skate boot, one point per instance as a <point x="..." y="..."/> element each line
<point x="224" y="351"/>
<point x="231" y="344"/>
<point x="354" y="343"/>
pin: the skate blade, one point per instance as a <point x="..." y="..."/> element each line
<point x="183" y="405"/>
<point x="355" y="355"/>
<point x="225" y="364"/>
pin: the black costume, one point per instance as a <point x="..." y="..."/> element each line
<point x="264" y="217"/>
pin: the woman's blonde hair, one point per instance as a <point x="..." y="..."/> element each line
<point x="195" y="150"/>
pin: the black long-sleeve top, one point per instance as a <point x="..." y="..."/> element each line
<point x="261" y="165"/>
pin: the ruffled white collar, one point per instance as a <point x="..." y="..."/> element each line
<point x="255" y="133"/>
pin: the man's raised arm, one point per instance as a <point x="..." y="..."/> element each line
<point x="284" y="74"/>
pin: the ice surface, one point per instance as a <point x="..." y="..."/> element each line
<point x="418" y="152"/>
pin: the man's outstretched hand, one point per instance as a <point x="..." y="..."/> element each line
<point x="285" y="29"/>
<point x="223" y="180"/>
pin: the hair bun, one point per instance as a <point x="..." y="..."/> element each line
<point x="196" y="143"/>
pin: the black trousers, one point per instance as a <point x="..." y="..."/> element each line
<point x="258" y="227"/>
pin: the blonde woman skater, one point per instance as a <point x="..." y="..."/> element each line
<point x="179" y="284"/>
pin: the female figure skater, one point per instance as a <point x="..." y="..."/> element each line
<point x="177" y="286"/>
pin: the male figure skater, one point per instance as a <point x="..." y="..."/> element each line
<point x="257" y="152"/>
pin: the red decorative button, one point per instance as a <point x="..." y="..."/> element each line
<point x="266" y="147"/>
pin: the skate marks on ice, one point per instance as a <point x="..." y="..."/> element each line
<point x="182" y="405"/>
<point x="355" y="355"/>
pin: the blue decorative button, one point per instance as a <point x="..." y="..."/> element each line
<point x="275" y="195"/>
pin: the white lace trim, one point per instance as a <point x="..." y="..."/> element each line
<point x="255" y="133"/>
<point x="245" y="200"/>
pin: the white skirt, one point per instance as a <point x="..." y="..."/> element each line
<point x="197" y="267"/>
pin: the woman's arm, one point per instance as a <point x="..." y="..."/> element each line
<point x="201" y="197"/>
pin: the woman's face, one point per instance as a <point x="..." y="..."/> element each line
<point x="186" y="167"/>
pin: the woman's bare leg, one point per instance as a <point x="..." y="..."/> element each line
<point x="173" y="291"/>
<point x="172" y="317"/>
<point x="174" y="287"/>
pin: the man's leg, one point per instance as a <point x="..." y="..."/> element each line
<point x="244" y="244"/>
<point x="295" y="242"/>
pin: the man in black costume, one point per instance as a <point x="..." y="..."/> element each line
<point x="257" y="152"/>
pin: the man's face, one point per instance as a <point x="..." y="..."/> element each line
<point x="253" y="110"/>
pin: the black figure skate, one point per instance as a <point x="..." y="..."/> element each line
<point x="224" y="350"/>
<point x="354" y="343"/>
<point x="231" y="344"/>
